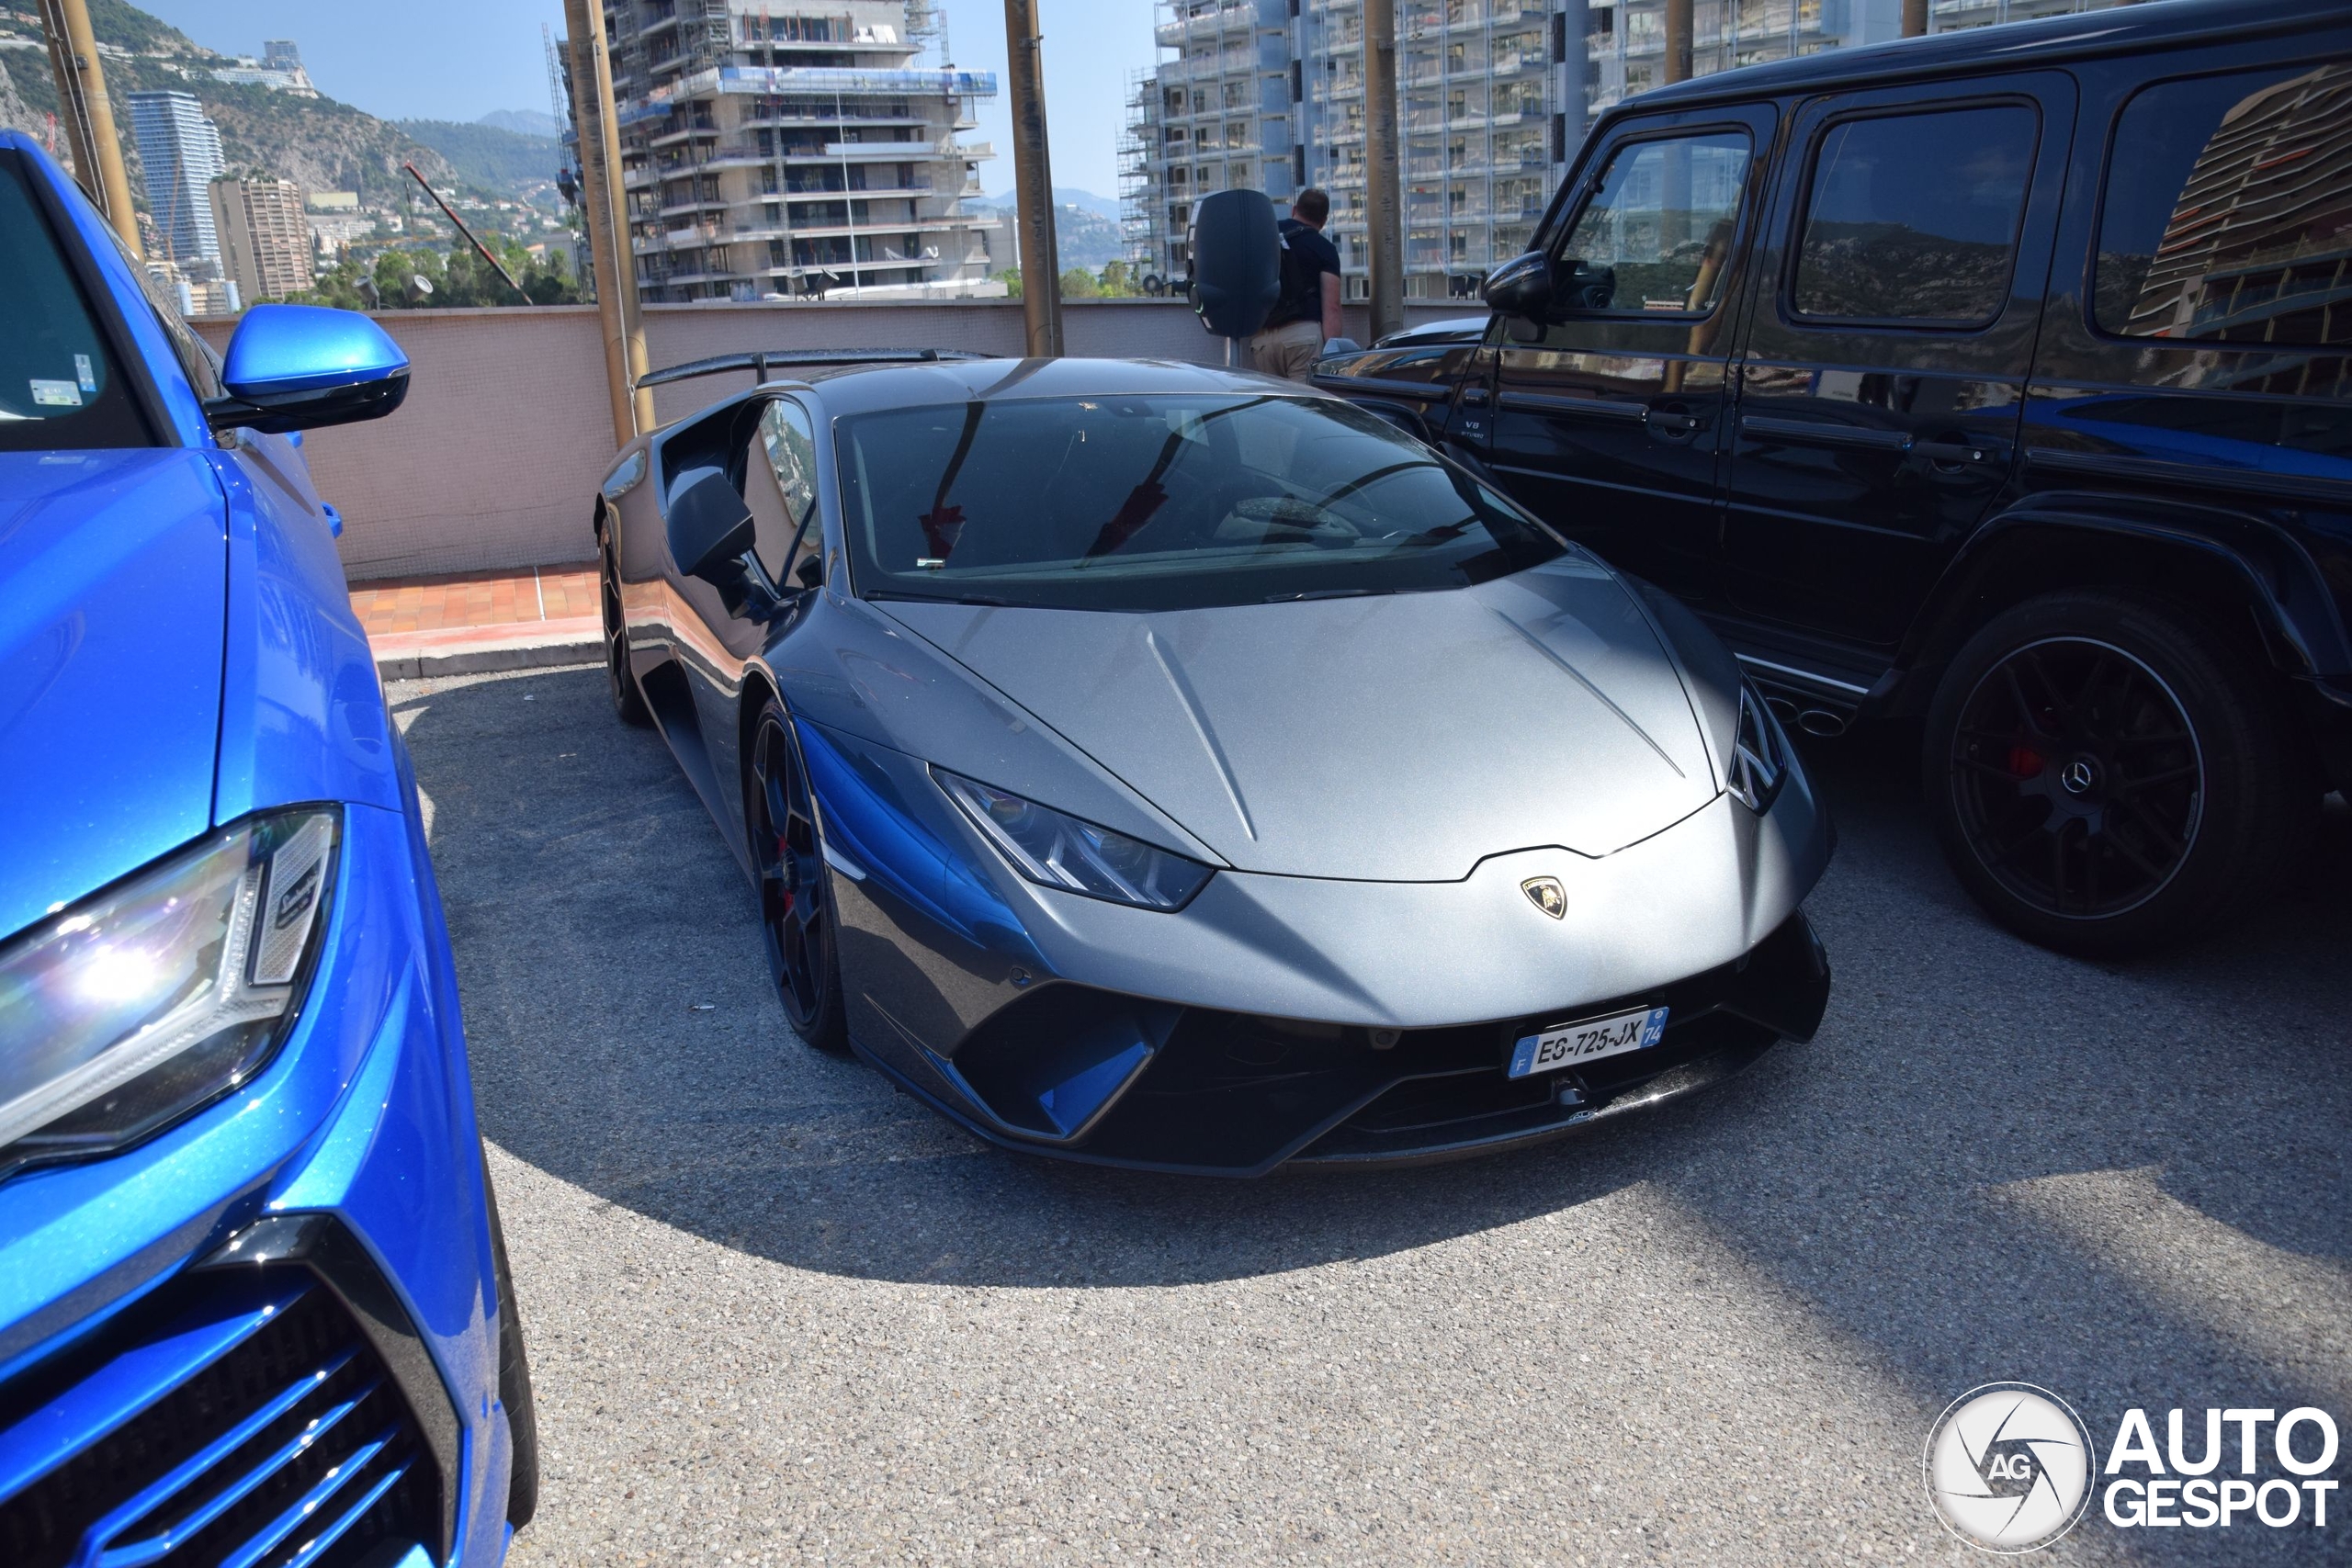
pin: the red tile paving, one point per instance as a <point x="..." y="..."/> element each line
<point x="501" y="598"/>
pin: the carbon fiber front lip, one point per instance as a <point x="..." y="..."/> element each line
<point x="1701" y="1072"/>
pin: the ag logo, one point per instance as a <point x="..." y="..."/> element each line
<point x="2009" y="1467"/>
<point x="1546" y="894"/>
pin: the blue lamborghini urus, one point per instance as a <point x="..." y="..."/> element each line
<point x="253" y="1303"/>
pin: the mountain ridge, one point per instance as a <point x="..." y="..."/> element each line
<point x="320" y="144"/>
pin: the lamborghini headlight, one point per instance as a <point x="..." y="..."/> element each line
<point x="141" y="1004"/>
<point x="1759" y="757"/>
<point x="1060" y="851"/>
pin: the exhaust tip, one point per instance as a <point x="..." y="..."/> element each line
<point x="1782" y="709"/>
<point x="1823" y="722"/>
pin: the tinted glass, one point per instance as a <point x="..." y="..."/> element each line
<point x="780" y="486"/>
<point x="1655" y="235"/>
<point x="1159" y="503"/>
<point x="1914" y="218"/>
<point x="2229" y="211"/>
<point x="59" y="384"/>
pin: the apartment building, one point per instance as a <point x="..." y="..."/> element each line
<point x="1493" y="98"/>
<point x="266" y="243"/>
<point x="280" y="68"/>
<point x="179" y="157"/>
<point x="797" y="148"/>
<point x="1268" y="95"/>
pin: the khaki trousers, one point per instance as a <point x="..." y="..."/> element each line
<point x="1288" y="351"/>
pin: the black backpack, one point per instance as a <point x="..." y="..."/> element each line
<point x="1299" y="280"/>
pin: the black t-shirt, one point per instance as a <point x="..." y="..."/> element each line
<point x="1307" y="256"/>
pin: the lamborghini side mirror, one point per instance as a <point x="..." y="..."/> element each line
<point x="710" y="528"/>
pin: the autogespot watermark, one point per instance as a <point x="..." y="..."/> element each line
<point x="2009" y="1467"/>
<point x="2012" y="1468"/>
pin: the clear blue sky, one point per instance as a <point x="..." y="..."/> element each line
<point x="460" y="59"/>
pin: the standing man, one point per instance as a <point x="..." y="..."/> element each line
<point x="1306" y="314"/>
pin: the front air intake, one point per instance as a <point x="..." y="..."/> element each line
<point x="240" y="1417"/>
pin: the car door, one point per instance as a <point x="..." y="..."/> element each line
<point x="1886" y="355"/>
<point x="771" y="454"/>
<point x="1607" y="418"/>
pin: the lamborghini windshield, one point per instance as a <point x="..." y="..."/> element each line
<point x="1160" y="501"/>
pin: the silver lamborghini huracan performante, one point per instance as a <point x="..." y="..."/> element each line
<point x="1171" y="767"/>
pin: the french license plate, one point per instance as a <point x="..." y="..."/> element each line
<point x="1567" y="1044"/>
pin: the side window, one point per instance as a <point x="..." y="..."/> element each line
<point x="1655" y="235"/>
<point x="1913" y="217"/>
<point x="60" y="386"/>
<point x="197" y="359"/>
<point x="2228" y="215"/>
<point x="784" y="468"/>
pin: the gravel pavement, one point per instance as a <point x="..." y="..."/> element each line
<point x="778" y="1312"/>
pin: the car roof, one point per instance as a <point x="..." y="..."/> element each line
<point x="2161" y="25"/>
<point x="859" y="388"/>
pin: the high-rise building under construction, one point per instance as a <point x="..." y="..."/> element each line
<point x="1268" y="95"/>
<point x="793" y="147"/>
<point x="1493" y="98"/>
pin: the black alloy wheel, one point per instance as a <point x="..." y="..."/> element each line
<point x="2107" y="772"/>
<point x="795" y="896"/>
<point x="628" y="701"/>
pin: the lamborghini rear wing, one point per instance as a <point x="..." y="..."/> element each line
<point x="760" y="363"/>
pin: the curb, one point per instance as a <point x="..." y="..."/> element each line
<point x="485" y="661"/>
<point x="475" y="650"/>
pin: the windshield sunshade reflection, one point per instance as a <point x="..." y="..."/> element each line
<point x="1155" y="502"/>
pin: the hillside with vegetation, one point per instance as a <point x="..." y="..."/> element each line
<point x="489" y="158"/>
<point x="319" y="143"/>
<point x="1082" y="236"/>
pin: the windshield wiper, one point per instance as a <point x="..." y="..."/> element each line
<point x="988" y="599"/>
<point x="1323" y="593"/>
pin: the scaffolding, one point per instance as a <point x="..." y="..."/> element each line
<point x="796" y="152"/>
<point x="1483" y="88"/>
<point x="1143" y="230"/>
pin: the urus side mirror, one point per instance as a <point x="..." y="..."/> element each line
<point x="293" y="368"/>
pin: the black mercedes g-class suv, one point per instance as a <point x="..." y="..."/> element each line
<point x="1999" y="380"/>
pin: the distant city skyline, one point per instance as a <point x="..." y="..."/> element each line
<point x="459" y="59"/>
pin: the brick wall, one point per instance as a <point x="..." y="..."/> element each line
<point x="493" y="460"/>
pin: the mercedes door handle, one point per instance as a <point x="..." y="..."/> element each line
<point x="1611" y="410"/>
<point x="1820" y="432"/>
<point x="1667" y="423"/>
<point x="1956" y="451"/>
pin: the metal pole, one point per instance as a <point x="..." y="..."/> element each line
<point x="69" y="103"/>
<point x="89" y="114"/>
<point x="1678" y="40"/>
<point x="1032" y="180"/>
<point x="1384" y="192"/>
<point x="602" y="203"/>
<point x="593" y="212"/>
<point x="1915" y="17"/>
<point x="479" y="249"/>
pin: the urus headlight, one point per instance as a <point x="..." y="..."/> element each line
<point x="1760" y="756"/>
<point x="145" y="1001"/>
<point x="1060" y="851"/>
